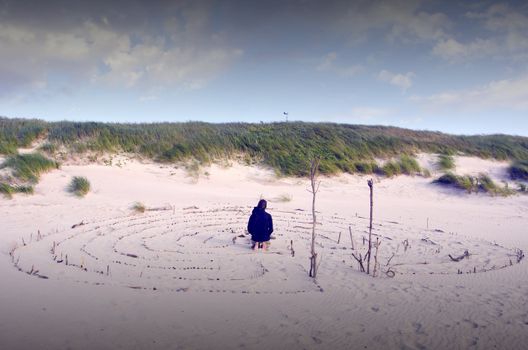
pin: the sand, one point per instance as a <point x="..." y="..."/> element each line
<point x="86" y="273"/>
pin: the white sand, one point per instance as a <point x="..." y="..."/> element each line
<point x="179" y="279"/>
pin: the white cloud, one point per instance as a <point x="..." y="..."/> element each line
<point x="504" y="94"/>
<point x="402" y="21"/>
<point x="507" y="36"/>
<point x="452" y="50"/>
<point x="329" y="64"/>
<point x="403" y="81"/>
<point x="101" y="54"/>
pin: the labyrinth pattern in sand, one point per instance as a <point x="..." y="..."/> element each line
<point x="207" y="249"/>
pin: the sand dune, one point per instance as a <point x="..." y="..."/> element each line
<point x="92" y="273"/>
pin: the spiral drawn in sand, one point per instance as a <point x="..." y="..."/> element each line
<point x="207" y="250"/>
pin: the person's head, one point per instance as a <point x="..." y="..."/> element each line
<point x="262" y="204"/>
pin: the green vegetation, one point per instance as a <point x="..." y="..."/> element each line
<point x="446" y="162"/>
<point x="285" y="197"/>
<point x="49" y="148"/>
<point x="7" y="190"/>
<point x="481" y="183"/>
<point x="7" y="148"/>
<point x="405" y="165"/>
<point x="28" y="167"/>
<point x="286" y="147"/>
<point x="79" y="185"/>
<point x="426" y="173"/>
<point x="519" y="170"/>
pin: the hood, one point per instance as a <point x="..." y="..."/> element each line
<point x="257" y="210"/>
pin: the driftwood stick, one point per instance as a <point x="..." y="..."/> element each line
<point x="388" y="261"/>
<point x="315" y="187"/>
<point x="520" y="255"/>
<point x="371" y="187"/>
<point x="351" y="239"/>
<point x="360" y="262"/>
<point x="376" y="256"/>
<point x="339" y="238"/>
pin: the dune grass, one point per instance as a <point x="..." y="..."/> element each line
<point x="519" y="170"/>
<point x="285" y="147"/>
<point x="79" y="185"/>
<point x="283" y="198"/>
<point x="139" y="207"/>
<point x="49" y="148"/>
<point x="29" y="167"/>
<point x="8" y="190"/>
<point x="471" y="184"/>
<point x="404" y="165"/>
<point x="7" y="148"/>
<point x="446" y="162"/>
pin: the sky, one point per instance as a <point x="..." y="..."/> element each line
<point x="457" y="67"/>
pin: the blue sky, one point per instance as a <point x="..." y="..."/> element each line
<point x="436" y="65"/>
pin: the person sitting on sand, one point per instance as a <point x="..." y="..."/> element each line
<point x="260" y="226"/>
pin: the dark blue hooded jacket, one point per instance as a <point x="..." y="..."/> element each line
<point x="260" y="225"/>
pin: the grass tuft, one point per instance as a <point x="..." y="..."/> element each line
<point x="519" y="170"/>
<point x="139" y="207"/>
<point x="405" y="165"/>
<point x="49" y="148"/>
<point x="79" y="185"/>
<point x="29" y="167"/>
<point x="8" y="190"/>
<point x="446" y="162"/>
<point x="283" y="198"/>
<point x="481" y="183"/>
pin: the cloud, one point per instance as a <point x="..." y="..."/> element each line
<point x="329" y="64"/>
<point x="509" y="94"/>
<point x="400" y="21"/>
<point x="504" y="33"/>
<point x="452" y="50"/>
<point x="403" y="81"/>
<point x="37" y="55"/>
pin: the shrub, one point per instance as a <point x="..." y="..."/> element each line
<point x="28" y="167"/>
<point x="139" y="207"/>
<point x="519" y="170"/>
<point x="79" y="185"/>
<point x="446" y="162"/>
<point x="522" y="187"/>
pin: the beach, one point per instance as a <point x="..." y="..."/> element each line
<point x="92" y="272"/>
